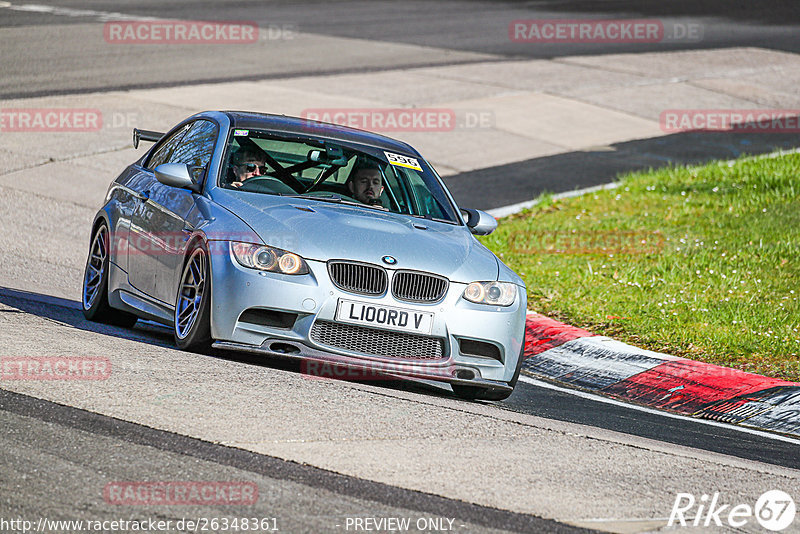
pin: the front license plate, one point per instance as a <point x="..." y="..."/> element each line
<point x="364" y="313"/>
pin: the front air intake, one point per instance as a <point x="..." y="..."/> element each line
<point x="471" y="347"/>
<point x="373" y="342"/>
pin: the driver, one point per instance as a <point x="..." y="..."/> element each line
<point x="366" y="184"/>
<point x="246" y="163"/>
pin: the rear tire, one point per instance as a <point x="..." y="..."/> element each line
<point x="94" y="296"/>
<point x="192" y="329"/>
<point x="479" y="393"/>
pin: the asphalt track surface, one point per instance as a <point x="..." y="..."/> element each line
<point x="305" y="498"/>
<point x="300" y="498"/>
<point x="552" y="404"/>
<point x="475" y="27"/>
<point x="36" y="431"/>
<point x="527" y="398"/>
<point x="50" y="52"/>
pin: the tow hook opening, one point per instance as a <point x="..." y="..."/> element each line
<point x="465" y="374"/>
<point x="284" y="348"/>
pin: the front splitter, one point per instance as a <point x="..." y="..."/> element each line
<point x="321" y="364"/>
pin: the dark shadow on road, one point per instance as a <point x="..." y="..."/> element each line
<point x="482" y="26"/>
<point x="504" y="185"/>
<point x="780" y="13"/>
<point x="68" y="312"/>
<point x="560" y="405"/>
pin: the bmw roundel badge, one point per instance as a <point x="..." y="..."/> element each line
<point x="389" y="260"/>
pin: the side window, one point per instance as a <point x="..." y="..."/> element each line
<point x="196" y="147"/>
<point x="163" y="151"/>
<point x="427" y="203"/>
<point x="395" y="189"/>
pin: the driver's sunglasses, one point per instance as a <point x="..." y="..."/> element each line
<point x="251" y="167"/>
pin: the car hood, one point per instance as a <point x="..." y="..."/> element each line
<point x="322" y="231"/>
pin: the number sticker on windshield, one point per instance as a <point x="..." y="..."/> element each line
<point x="403" y="161"/>
<point x="239" y="133"/>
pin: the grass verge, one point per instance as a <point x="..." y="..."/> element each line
<point x="700" y="262"/>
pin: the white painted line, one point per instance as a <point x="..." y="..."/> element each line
<point x="606" y="400"/>
<point x="627" y="520"/>
<point x="505" y="211"/>
<point x="103" y="16"/>
<point x="516" y="208"/>
<point x="771" y="155"/>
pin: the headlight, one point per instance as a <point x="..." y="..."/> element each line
<point x="268" y="258"/>
<point x="492" y="293"/>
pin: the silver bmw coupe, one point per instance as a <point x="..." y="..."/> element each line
<point x="299" y="239"/>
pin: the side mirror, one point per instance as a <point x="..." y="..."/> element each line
<point x="479" y="222"/>
<point x="175" y="175"/>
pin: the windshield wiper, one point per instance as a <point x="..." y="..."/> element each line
<point x="333" y="197"/>
<point x="429" y="217"/>
<point x="326" y="198"/>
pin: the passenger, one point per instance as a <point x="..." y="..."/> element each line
<point x="246" y="163"/>
<point x="365" y="184"/>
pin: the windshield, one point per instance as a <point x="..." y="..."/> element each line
<point x="333" y="171"/>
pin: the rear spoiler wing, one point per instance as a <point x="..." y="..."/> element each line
<point x="145" y="135"/>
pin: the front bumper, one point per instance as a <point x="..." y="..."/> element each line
<point x="314" y="297"/>
<point x="321" y="364"/>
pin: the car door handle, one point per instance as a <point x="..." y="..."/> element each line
<point x="143" y="195"/>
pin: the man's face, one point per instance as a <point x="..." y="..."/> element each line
<point x="249" y="167"/>
<point x="367" y="186"/>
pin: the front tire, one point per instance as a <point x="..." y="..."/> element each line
<point x="192" y="330"/>
<point x="94" y="296"/>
